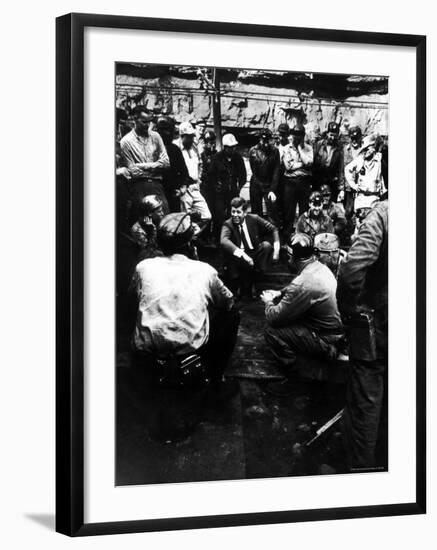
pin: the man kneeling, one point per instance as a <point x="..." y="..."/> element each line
<point x="303" y="318"/>
<point x="184" y="308"/>
<point x="248" y="253"/>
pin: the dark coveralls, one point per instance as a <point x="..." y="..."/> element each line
<point x="175" y="177"/>
<point x="265" y="166"/>
<point x="305" y="319"/>
<point x="327" y="167"/>
<point x="363" y="283"/>
<point x="224" y="179"/>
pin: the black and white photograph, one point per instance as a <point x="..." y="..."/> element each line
<point x="251" y="273"/>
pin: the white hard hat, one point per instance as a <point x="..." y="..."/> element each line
<point x="365" y="201"/>
<point x="229" y="140"/>
<point x="186" y="129"/>
<point x="367" y="142"/>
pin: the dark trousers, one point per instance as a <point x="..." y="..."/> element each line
<point x="349" y="198"/>
<point x="223" y="331"/>
<point x="286" y="343"/>
<point x="169" y="413"/>
<point x="239" y="273"/>
<point x="363" y="411"/>
<point x="295" y="191"/>
<point x="366" y="403"/>
<point x="257" y="194"/>
<point x="220" y="207"/>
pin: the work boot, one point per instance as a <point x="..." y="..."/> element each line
<point x="282" y="388"/>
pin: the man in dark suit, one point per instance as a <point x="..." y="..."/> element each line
<point x="248" y="252"/>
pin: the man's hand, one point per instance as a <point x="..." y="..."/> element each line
<point x="247" y="259"/>
<point x="181" y="191"/>
<point x="271" y="196"/>
<point x="269" y="295"/>
<point x="340" y="197"/>
<point x="124" y="172"/>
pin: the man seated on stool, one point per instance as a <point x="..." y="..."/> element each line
<point x="248" y="253"/>
<point x="184" y="308"/>
<point x="302" y="318"/>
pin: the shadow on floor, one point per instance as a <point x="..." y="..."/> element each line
<point x="46" y="520"/>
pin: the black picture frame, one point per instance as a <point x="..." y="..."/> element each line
<point x="70" y="273"/>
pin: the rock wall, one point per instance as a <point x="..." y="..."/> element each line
<point x="246" y="104"/>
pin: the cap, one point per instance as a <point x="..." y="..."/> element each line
<point x="265" y="133"/>
<point x="326" y="242"/>
<point x="209" y="135"/>
<point x="165" y="123"/>
<point x="175" y="231"/>
<point x="301" y="245"/>
<point x="229" y="140"/>
<point x="297" y="130"/>
<point x="283" y="128"/>
<point x="365" y="201"/>
<point x="142" y="110"/>
<point x="186" y="129"/>
<point x="355" y="132"/>
<point x="325" y="189"/>
<point x="367" y="142"/>
<point x="333" y="127"/>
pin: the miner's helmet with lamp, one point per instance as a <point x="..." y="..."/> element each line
<point x="209" y="136"/>
<point x="265" y="134"/>
<point x="327" y="249"/>
<point x="355" y="135"/>
<point x="333" y="132"/>
<point x="151" y="206"/>
<point x="265" y="137"/>
<point x="300" y="247"/>
<point x="334" y="128"/>
<point x="326" y="193"/>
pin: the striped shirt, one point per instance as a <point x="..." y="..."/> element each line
<point x="145" y="156"/>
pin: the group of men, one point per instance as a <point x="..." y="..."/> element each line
<point x="179" y="196"/>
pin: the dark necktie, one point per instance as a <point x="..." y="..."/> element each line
<point x="243" y="239"/>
